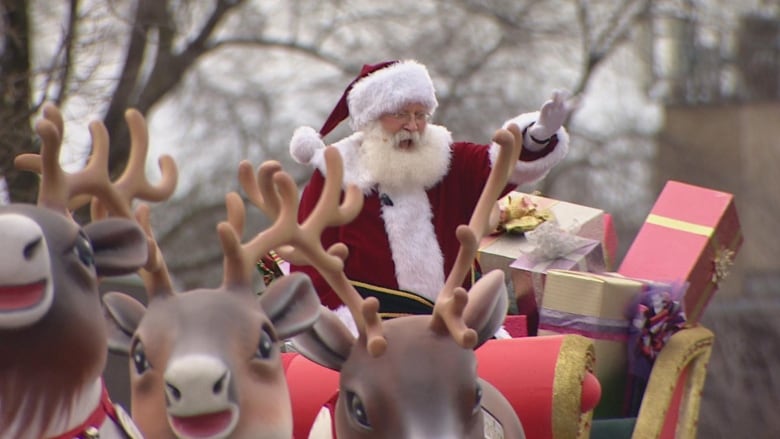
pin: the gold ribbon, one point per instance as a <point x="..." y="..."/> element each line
<point x="685" y="226"/>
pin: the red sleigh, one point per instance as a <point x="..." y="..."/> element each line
<point x="552" y="389"/>
<point x="549" y="379"/>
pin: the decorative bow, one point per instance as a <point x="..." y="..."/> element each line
<point x="724" y="259"/>
<point x="551" y="241"/>
<point x="520" y="214"/>
<point x="657" y="315"/>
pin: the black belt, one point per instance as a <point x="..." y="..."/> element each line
<point x="396" y="303"/>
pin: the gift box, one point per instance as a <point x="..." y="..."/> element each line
<point x="596" y="306"/>
<point x="528" y="273"/>
<point x="499" y="250"/>
<point x="691" y="234"/>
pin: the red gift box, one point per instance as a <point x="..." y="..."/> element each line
<point x="516" y="325"/>
<point x="691" y="234"/>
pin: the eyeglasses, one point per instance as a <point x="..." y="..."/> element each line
<point x="404" y="117"/>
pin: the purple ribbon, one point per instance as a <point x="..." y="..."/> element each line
<point x="593" y="327"/>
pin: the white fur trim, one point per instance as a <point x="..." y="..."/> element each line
<point x="343" y="313"/>
<point x="502" y="333"/>
<point x="389" y="89"/>
<point x="304" y="143"/>
<point x="353" y="172"/>
<point x="530" y="172"/>
<point x="419" y="263"/>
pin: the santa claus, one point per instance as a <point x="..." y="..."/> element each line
<point x="419" y="184"/>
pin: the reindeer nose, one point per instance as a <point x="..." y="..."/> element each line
<point x="174" y="394"/>
<point x="193" y="382"/>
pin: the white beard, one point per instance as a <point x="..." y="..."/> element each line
<point x="420" y="166"/>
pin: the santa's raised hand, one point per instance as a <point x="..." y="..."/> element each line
<point x="552" y="116"/>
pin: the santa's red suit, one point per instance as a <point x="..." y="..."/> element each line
<point x="404" y="239"/>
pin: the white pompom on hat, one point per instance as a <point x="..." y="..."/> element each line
<point x="304" y="143"/>
<point x="379" y="89"/>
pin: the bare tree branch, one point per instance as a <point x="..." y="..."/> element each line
<point x="614" y="30"/>
<point x="66" y="65"/>
<point x="169" y="66"/>
<point x="506" y="21"/>
<point x="310" y="50"/>
<point x="166" y="72"/>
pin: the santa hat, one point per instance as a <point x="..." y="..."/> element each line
<point x="379" y="89"/>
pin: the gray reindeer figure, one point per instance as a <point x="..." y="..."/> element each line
<point x="206" y="363"/>
<point x="412" y="376"/>
<point x="53" y="342"/>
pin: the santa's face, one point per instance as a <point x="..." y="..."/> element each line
<point x="406" y="125"/>
<point x="403" y="159"/>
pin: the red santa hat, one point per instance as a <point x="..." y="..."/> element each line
<point x="379" y="89"/>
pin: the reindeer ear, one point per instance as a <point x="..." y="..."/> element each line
<point x="487" y="306"/>
<point x="122" y="314"/>
<point x="327" y="343"/>
<point x="119" y="244"/>
<point x="291" y="303"/>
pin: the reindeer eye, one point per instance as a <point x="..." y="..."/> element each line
<point x="477" y="399"/>
<point x="82" y="248"/>
<point x="357" y="410"/>
<point x="138" y="355"/>
<point x="265" y="347"/>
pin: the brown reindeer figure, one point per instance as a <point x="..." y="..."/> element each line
<point x="206" y="363"/>
<point x="53" y="341"/>
<point x="412" y="376"/>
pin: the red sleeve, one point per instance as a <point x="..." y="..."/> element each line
<point x="471" y="165"/>
<point x="526" y="155"/>
<point x="309" y="198"/>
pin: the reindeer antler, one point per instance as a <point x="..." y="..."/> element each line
<point x="452" y="299"/>
<point x="133" y="184"/>
<point x="275" y="193"/>
<point x="58" y="187"/>
<point x="70" y="191"/>
<point x="155" y="275"/>
<point x="240" y="258"/>
<point x="66" y="192"/>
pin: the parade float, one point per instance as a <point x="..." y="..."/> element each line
<point x="598" y="347"/>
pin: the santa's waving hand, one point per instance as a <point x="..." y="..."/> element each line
<point x="553" y="114"/>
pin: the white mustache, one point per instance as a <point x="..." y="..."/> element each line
<point x="407" y="135"/>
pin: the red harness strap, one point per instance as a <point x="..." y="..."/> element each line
<point x="104" y="408"/>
